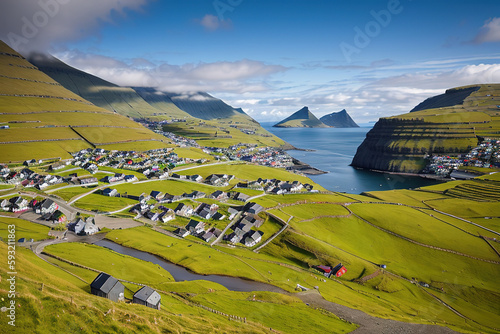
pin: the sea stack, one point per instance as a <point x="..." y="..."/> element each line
<point x="339" y="119"/>
<point x="301" y="119"/>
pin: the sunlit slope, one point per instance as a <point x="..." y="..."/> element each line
<point x="45" y="120"/>
<point x="434" y="262"/>
<point x="205" y="115"/>
<point x="400" y="143"/>
<point x="123" y="100"/>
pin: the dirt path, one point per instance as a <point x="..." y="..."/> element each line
<point x="367" y="323"/>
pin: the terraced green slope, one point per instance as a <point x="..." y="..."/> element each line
<point x="202" y="114"/>
<point x="45" y="120"/>
<point x="400" y="143"/>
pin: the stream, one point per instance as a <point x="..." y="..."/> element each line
<point x="182" y="274"/>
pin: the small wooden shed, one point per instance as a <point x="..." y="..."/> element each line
<point x="107" y="286"/>
<point x="148" y="297"/>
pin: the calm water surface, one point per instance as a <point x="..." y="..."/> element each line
<point x="182" y="274"/>
<point x="334" y="150"/>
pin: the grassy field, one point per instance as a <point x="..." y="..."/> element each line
<point x="172" y="187"/>
<point x="308" y="211"/>
<point x="422" y="227"/>
<point x="205" y="134"/>
<point x="62" y="306"/>
<point x="250" y="172"/>
<point x="38" y="108"/>
<point x="276" y="311"/>
<point x="274" y="200"/>
<point x="97" y="202"/>
<point x="113" y="263"/>
<point x="24" y="229"/>
<point x="404" y="196"/>
<point x="40" y="150"/>
<point x="466" y="208"/>
<point x="139" y="146"/>
<point x="192" y="153"/>
<point x="103" y="135"/>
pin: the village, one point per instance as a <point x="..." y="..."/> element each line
<point x="485" y="155"/>
<point x="239" y="223"/>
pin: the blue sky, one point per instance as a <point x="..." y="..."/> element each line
<point x="373" y="58"/>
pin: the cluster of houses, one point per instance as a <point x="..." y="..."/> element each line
<point x="119" y="177"/>
<point x="15" y="204"/>
<point x="219" y="180"/>
<point x="47" y="208"/>
<point x="244" y="230"/>
<point x="158" y="128"/>
<point x="106" y="286"/>
<point x="264" y="156"/>
<point x="153" y="163"/>
<point x="274" y="186"/>
<point x="28" y="178"/>
<point x="83" y="227"/>
<point x="485" y="155"/>
<point x="197" y="228"/>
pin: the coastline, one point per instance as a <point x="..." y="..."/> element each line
<point x="299" y="165"/>
<point x="305" y="168"/>
<point x="424" y="176"/>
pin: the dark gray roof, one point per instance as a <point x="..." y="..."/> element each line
<point x="104" y="282"/>
<point x="47" y="203"/>
<point x="148" y="295"/>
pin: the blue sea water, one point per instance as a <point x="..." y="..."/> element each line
<point x="333" y="152"/>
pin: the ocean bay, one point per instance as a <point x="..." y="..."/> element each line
<point x="332" y="150"/>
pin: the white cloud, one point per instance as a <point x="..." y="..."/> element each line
<point x="237" y="77"/>
<point x="383" y="97"/>
<point x="28" y="25"/>
<point x="211" y="22"/>
<point x="490" y="32"/>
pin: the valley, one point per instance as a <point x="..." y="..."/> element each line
<point x="172" y="183"/>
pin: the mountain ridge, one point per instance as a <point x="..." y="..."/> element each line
<point x="340" y="119"/>
<point x="302" y="118"/>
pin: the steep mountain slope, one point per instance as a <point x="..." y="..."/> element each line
<point x="197" y="104"/>
<point x="200" y="113"/>
<point x="339" y="119"/>
<point x="123" y="100"/>
<point x="45" y="120"/>
<point x="301" y="119"/>
<point x="400" y="143"/>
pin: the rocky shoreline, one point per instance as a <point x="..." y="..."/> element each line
<point x="305" y="168"/>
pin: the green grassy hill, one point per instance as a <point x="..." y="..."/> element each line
<point x="46" y="120"/>
<point x="301" y="119"/>
<point x="202" y="115"/>
<point x="102" y="93"/>
<point x="452" y="123"/>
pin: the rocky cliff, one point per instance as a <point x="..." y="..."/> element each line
<point x="401" y="143"/>
<point x="301" y="119"/>
<point x="339" y="119"/>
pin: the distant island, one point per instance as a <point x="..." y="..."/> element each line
<point x="301" y="119"/>
<point x="339" y="119"/>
